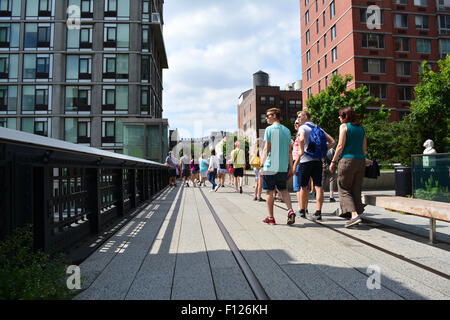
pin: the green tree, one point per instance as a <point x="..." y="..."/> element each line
<point x="430" y="110"/>
<point x="324" y="107"/>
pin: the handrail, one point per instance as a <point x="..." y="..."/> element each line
<point x="25" y="138"/>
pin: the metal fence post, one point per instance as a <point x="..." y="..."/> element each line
<point x="93" y="177"/>
<point x="41" y="208"/>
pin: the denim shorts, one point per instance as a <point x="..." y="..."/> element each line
<point x="272" y="180"/>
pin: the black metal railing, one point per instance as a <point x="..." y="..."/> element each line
<point x="69" y="192"/>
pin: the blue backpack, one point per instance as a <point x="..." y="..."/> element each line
<point x="317" y="147"/>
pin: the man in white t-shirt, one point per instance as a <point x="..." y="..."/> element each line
<point x="307" y="167"/>
<point x="185" y="168"/>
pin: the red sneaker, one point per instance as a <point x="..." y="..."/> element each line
<point x="269" y="220"/>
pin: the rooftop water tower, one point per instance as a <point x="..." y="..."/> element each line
<point x="260" y="79"/>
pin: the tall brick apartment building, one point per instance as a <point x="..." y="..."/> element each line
<point x="253" y="104"/>
<point x="339" y="36"/>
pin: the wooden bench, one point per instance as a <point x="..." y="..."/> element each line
<point x="424" y="208"/>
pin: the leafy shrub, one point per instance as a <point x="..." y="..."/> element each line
<point x="27" y="274"/>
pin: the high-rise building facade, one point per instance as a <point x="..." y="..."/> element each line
<point x="254" y="103"/>
<point x="381" y="42"/>
<point x="79" y="70"/>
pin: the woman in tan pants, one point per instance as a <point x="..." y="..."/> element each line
<point x="350" y="152"/>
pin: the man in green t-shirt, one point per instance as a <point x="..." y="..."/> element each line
<point x="277" y="157"/>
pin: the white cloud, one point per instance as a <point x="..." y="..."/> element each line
<point x="213" y="49"/>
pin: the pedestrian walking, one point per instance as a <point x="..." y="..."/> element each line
<point x="203" y="164"/>
<point x="222" y="169"/>
<point x="238" y="156"/>
<point x="328" y="175"/>
<point x="230" y="173"/>
<point x="185" y="169"/>
<point x="313" y="147"/>
<point x="277" y="163"/>
<point x="194" y="171"/>
<point x="255" y="162"/>
<point x="350" y="153"/>
<point x="171" y="163"/>
<point x="212" y="170"/>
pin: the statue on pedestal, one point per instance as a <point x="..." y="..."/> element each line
<point x="429" y="144"/>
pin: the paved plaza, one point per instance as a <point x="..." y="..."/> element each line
<point x="173" y="249"/>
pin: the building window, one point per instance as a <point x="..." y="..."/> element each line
<point x="9" y="123"/>
<point x="39" y="8"/>
<point x="377" y="90"/>
<point x="422" y="22"/>
<point x="37" y="66"/>
<point x="308" y="55"/>
<point x="36" y="99"/>
<point x="374" y="66"/>
<point x="9" y="35"/>
<point x="10" y="8"/>
<point x="80" y="38"/>
<point x="263" y="100"/>
<point x="115" y="99"/>
<point x="146" y="68"/>
<point x="78" y="67"/>
<point x="333" y="32"/>
<point x="323" y="18"/>
<point x="326" y="81"/>
<point x="39" y="126"/>
<point x="308" y="74"/>
<point x="332" y="10"/>
<point x="317" y="26"/>
<point x="307" y="36"/>
<point x="309" y="93"/>
<point x="145" y="38"/>
<point x="38" y="35"/>
<point x="318" y="86"/>
<point x="444" y="48"/>
<point x="326" y="61"/>
<point x="334" y="54"/>
<point x="318" y="66"/>
<point x="307" y="17"/>
<point x="78" y="99"/>
<point x="271" y="101"/>
<point x="403" y="69"/>
<point x="77" y="130"/>
<point x="263" y="118"/>
<point x="145" y="101"/>
<point x="363" y="15"/>
<point x="372" y="41"/>
<point x="422" y="3"/>
<point x="8" y="99"/>
<point x="116" y="36"/>
<point x="115" y="66"/>
<point x="9" y="66"/>
<point x="404" y="2"/>
<point x="423" y="45"/>
<point x="318" y="46"/>
<point x="400" y="20"/>
<point x="401" y="44"/>
<point x="325" y="40"/>
<point x="444" y="24"/>
<point x="405" y="93"/>
<point x="146" y="10"/>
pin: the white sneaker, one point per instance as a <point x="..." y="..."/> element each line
<point x="212" y="190"/>
<point x="217" y="188"/>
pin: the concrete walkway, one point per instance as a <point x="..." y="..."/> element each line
<point x="174" y="250"/>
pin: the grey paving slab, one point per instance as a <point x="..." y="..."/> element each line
<point x="175" y="250"/>
<point x="124" y="254"/>
<point x="349" y="244"/>
<point x="154" y="279"/>
<point x="192" y="278"/>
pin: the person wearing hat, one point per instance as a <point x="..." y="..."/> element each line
<point x="171" y="163"/>
<point x="238" y="158"/>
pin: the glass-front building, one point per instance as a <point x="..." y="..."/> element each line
<point x="81" y="81"/>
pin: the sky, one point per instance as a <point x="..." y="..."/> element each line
<point x="213" y="49"/>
